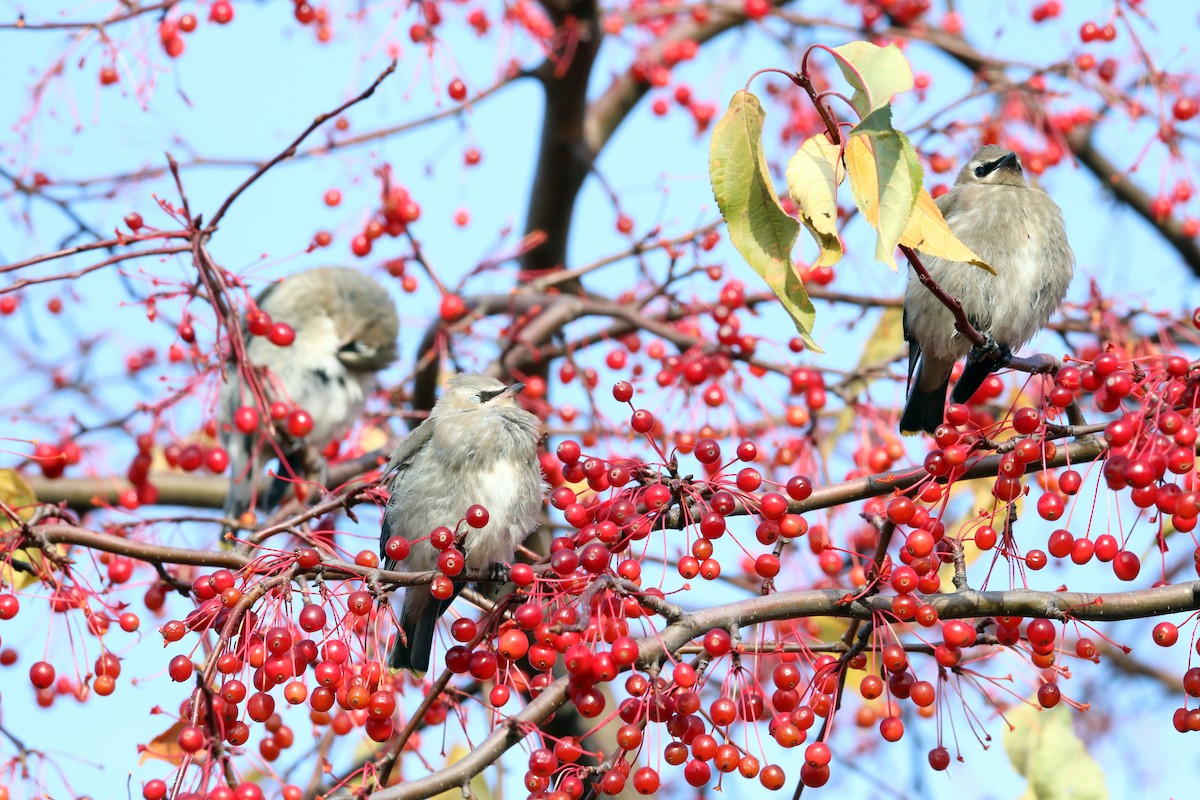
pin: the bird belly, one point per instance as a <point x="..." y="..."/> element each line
<point x="1010" y="306"/>
<point x="1015" y="319"/>
<point x="333" y="397"/>
<point x="512" y="504"/>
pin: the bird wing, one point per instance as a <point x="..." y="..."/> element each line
<point x="404" y="453"/>
<point x="945" y="203"/>
<point x="914" y="348"/>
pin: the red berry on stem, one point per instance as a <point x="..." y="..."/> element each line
<point x="299" y="423"/>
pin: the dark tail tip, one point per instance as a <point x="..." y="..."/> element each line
<point x="414" y="654"/>
<point x="924" y="411"/>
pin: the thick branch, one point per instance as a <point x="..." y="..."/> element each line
<point x="791" y="605"/>
<point x="564" y="160"/>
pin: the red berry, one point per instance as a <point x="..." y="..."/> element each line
<point x="452" y="308"/>
<point x="41" y="675"/>
<point x="221" y="12"/>
<point x="1165" y="634"/>
<point x="299" y="423"/>
<point x="246" y="419"/>
<point x="216" y="459"/>
<point x="477" y="516"/>
<point x="457" y="90"/>
<point x="756" y="9"/>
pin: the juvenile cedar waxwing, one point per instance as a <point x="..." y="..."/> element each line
<point x="346" y="326"/>
<point x="478" y="446"/>
<point x="1018" y="230"/>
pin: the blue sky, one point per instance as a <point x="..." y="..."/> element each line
<point x="243" y="91"/>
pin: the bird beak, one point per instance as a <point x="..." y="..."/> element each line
<point x="1010" y="161"/>
<point x="513" y="390"/>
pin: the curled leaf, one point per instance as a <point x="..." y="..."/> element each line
<point x="758" y="226"/>
<point x="813" y="175"/>
<point x="16" y="494"/>
<point x="928" y="232"/>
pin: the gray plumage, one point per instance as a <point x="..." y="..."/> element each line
<point x="477" y="446"/>
<point x="346" y="328"/>
<point x="1019" y="231"/>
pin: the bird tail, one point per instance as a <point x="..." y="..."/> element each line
<point x="419" y="619"/>
<point x="292" y="461"/>
<point x="924" y="410"/>
<point x="926" y="406"/>
<point x="245" y="467"/>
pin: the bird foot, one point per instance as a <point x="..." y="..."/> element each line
<point x="993" y="351"/>
<point x="498" y="572"/>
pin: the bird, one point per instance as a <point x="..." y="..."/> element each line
<point x="346" y="328"/>
<point x="1019" y="231"/>
<point x="477" y="446"/>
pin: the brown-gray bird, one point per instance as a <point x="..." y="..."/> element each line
<point x="478" y="446"/>
<point x="346" y="327"/>
<point x="1018" y="230"/>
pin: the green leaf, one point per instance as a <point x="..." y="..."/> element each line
<point x="813" y="176"/>
<point x="758" y="226"/>
<point x="885" y="177"/>
<point x="876" y="73"/>
<point x="1043" y="747"/>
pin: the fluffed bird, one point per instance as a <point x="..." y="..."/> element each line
<point x="478" y="446"/>
<point x="1018" y="230"/>
<point x="345" y="326"/>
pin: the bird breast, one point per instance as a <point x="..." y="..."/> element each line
<point x="309" y="374"/>
<point x="491" y="462"/>
<point x="1019" y="232"/>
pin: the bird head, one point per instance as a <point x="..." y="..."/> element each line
<point x="364" y="318"/>
<point x="340" y="308"/>
<point x="994" y="166"/>
<point x="468" y="393"/>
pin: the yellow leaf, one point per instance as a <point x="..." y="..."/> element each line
<point x="479" y="787"/>
<point x="373" y="438"/>
<point x="18" y="495"/>
<point x="928" y="232"/>
<point x="882" y="346"/>
<point x="165" y="747"/>
<point x="1043" y="747"/>
<point x="813" y="175"/>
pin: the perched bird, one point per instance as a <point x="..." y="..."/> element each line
<point x="345" y="326"/>
<point x="478" y="446"/>
<point x="1018" y="230"/>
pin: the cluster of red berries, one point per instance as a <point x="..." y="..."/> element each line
<point x="307" y="13"/>
<point x="397" y="211"/>
<point x="170" y="30"/>
<point x="901" y="12"/>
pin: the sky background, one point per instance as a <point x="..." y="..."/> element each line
<point x="241" y="92"/>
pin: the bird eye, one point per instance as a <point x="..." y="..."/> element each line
<point x="483" y="397"/>
<point x="980" y="171"/>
